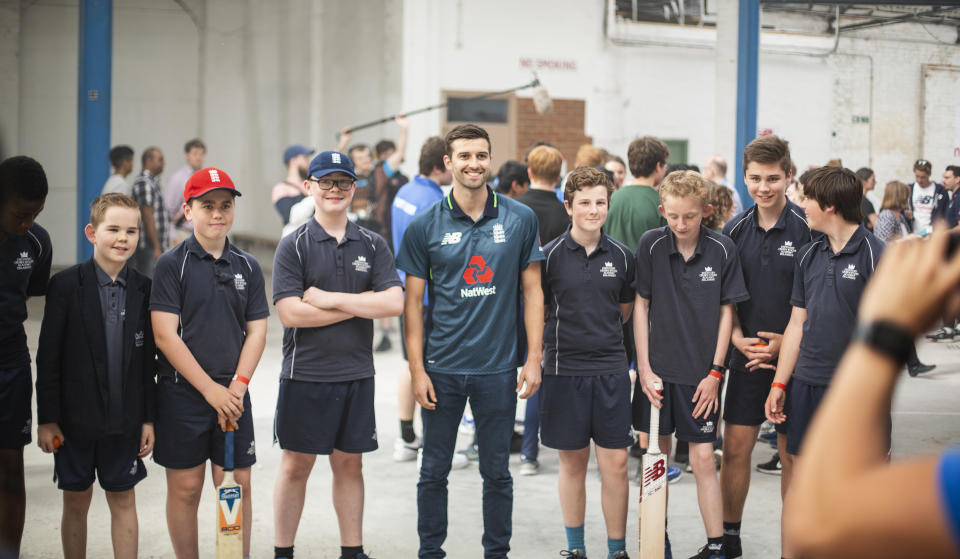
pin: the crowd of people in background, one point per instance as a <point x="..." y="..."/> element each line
<point x="618" y="288"/>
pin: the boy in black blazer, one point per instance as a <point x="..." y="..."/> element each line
<point x="95" y="377"/>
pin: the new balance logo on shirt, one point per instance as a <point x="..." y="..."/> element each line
<point x="451" y="238"/>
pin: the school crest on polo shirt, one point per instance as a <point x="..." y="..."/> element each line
<point x="361" y="264"/>
<point x="708" y="274"/>
<point x="787" y="249"/>
<point x="850" y="272"/>
<point x="239" y="282"/>
<point x="608" y="270"/>
<point x="138" y="339"/>
<point x="499" y="235"/>
<point x="23" y="262"/>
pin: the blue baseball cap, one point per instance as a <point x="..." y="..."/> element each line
<point x="295" y="150"/>
<point x="328" y="162"/>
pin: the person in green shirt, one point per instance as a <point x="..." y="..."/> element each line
<point x="633" y="208"/>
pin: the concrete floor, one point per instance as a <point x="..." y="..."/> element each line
<point x="925" y="419"/>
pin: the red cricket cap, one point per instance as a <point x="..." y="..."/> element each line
<point x="207" y="180"/>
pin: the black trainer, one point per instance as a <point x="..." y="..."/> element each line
<point x="732" y="548"/>
<point x="942" y="335"/>
<point x="384" y="344"/>
<point x="771" y="466"/>
<point x="707" y="553"/>
<point x="576" y="554"/>
<point x="919" y="368"/>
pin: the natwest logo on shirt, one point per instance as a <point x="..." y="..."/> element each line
<point x="477" y="272"/>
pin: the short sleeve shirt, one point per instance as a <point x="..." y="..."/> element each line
<point x="412" y="199"/>
<point x="551" y="214"/>
<point x="685" y="299"/>
<point x="829" y="287"/>
<point x="24" y="272"/>
<point x="214" y="298"/>
<point x="583" y="335"/>
<point x="634" y="210"/>
<point x="360" y="262"/>
<point x="953" y="210"/>
<point x="767" y="259"/>
<point x="473" y="277"/>
<point x="146" y="191"/>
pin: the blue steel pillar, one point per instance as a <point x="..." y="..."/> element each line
<point x="748" y="53"/>
<point x="93" y="110"/>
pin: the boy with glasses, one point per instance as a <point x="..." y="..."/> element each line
<point x="331" y="277"/>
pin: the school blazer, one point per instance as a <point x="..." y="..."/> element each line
<point x="72" y="388"/>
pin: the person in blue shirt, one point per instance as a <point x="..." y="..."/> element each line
<point x="847" y="498"/>
<point x="588" y="290"/>
<point x="412" y="199"/>
<point x="477" y="253"/>
<point x="829" y="277"/>
<point x="25" y="257"/>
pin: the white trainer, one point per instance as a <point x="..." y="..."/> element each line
<point x="404" y="451"/>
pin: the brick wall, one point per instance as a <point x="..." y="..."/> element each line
<point x="562" y="127"/>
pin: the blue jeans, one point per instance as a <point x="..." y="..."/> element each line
<point x="531" y="428"/>
<point x="494" y="405"/>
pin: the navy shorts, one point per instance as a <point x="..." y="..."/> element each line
<point x="318" y="417"/>
<point x="574" y="410"/>
<point x="112" y="460"/>
<point x="747" y="393"/>
<point x="803" y="399"/>
<point x="187" y="430"/>
<point x="676" y="414"/>
<point x="16" y="393"/>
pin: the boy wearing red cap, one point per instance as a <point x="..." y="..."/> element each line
<point x="209" y="313"/>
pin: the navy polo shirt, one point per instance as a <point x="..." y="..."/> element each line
<point x="953" y="210"/>
<point x="214" y="297"/>
<point x="829" y="287"/>
<point x="310" y="257"/>
<point x="583" y="333"/>
<point x="473" y="272"/>
<point x="767" y="260"/>
<point x="685" y="299"/>
<point x="24" y="272"/>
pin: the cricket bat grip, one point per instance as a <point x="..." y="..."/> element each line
<point x="653" y="440"/>
<point x="228" y="447"/>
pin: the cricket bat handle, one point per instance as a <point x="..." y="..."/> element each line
<point x="653" y="440"/>
<point x="228" y="447"/>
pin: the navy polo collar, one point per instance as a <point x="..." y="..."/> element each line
<point x="491" y="210"/>
<point x="194" y="247"/>
<point x="318" y="233"/>
<point x="103" y="279"/>
<point x="697" y="251"/>
<point x="781" y="223"/>
<point x="602" y="246"/>
<point x="859" y="236"/>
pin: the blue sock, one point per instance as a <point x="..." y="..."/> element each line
<point x="615" y="545"/>
<point x="575" y="538"/>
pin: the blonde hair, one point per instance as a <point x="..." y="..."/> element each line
<point x="544" y="163"/>
<point x="684" y="184"/>
<point x="588" y="155"/>
<point x="106" y="201"/>
<point x="896" y="196"/>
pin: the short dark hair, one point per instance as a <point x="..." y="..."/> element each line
<point x="194" y="143"/>
<point x="617" y="158"/>
<point x="24" y="177"/>
<point x="384" y="146"/>
<point x="955" y="169"/>
<point x="864" y="173"/>
<point x="465" y="132"/>
<point x="644" y="154"/>
<point x="681" y="167"/>
<point x="119" y="154"/>
<point x="511" y="171"/>
<point x="923" y="165"/>
<point x="356" y="147"/>
<point x="768" y="149"/>
<point x="586" y="177"/>
<point x="148" y="154"/>
<point x="838" y="187"/>
<point x="431" y="155"/>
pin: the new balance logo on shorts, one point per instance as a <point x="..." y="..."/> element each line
<point x="252" y="449"/>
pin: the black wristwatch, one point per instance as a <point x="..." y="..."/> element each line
<point x="885" y="337"/>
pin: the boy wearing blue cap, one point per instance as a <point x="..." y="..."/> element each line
<point x="209" y="313"/>
<point x="331" y="277"/>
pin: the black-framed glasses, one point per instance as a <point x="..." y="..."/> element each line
<point x="342" y="184"/>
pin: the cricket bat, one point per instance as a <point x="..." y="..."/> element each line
<point x="229" y="505"/>
<point x="653" y="492"/>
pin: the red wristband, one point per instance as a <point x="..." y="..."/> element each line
<point x="716" y="374"/>
<point x="244" y="380"/>
<point x="779" y="385"/>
